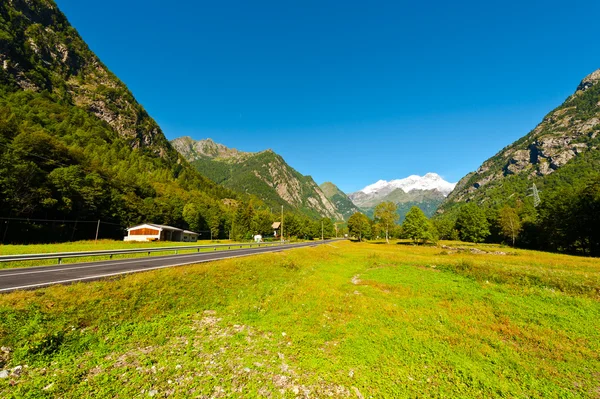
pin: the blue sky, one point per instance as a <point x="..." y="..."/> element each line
<point x="348" y="91"/>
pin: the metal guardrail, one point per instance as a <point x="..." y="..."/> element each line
<point x="63" y="255"/>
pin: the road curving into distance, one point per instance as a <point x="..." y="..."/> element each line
<point x="43" y="276"/>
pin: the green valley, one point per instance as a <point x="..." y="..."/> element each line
<point x="394" y="321"/>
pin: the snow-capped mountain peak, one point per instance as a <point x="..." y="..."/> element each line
<point x="431" y="181"/>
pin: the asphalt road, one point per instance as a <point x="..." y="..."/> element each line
<point x="42" y="276"/>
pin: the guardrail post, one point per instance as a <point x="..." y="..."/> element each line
<point x="176" y="252"/>
<point x="60" y="261"/>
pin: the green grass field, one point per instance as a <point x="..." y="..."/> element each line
<point x="342" y="320"/>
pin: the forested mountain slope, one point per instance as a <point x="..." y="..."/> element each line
<point x="264" y="174"/>
<point x="339" y="199"/>
<point x="561" y="152"/>
<point x="74" y="142"/>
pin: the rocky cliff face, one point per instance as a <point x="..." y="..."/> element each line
<point x="193" y="150"/>
<point x="40" y="51"/>
<point x="568" y="133"/>
<point x="264" y="174"/>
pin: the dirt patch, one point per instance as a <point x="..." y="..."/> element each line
<point x="452" y="250"/>
<point x="225" y="360"/>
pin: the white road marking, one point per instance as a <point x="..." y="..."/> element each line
<point x="116" y="274"/>
<point x="126" y="262"/>
<point x="99" y="276"/>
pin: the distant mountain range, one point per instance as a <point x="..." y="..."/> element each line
<point x="264" y="174"/>
<point x="426" y="192"/>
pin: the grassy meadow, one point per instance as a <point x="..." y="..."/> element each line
<point x="348" y="320"/>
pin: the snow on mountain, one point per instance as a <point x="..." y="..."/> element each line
<point x="383" y="190"/>
<point x="431" y="181"/>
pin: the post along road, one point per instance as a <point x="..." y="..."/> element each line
<point x="42" y="276"/>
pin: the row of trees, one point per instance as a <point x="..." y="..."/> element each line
<point x="471" y="224"/>
<point x="567" y="220"/>
<point x="244" y="220"/>
<point x="416" y="225"/>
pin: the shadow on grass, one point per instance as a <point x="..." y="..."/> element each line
<point x="416" y="244"/>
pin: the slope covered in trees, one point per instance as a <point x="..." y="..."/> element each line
<point x="339" y="199"/>
<point x="562" y="151"/>
<point x="264" y="174"/>
<point x="76" y="147"/>
<point x="560" y="160"/>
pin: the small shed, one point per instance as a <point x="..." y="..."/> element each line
<point x="159" y="232"/>
<point x="276" y="228"/>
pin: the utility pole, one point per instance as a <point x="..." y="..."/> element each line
<point x="97" y="230"/>
<point x="322" y="234"/>
<point x="536" y="196"/>
<point x="282" y="224"/>
<point x="336" y="228"/>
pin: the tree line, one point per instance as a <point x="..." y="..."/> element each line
<point x="384" y="224"/>
<point x="567" y="220"/>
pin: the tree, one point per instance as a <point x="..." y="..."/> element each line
<point x="416" y="226"/>
<point x="262" y="220"/>
<point x="472" y="224"/>
<point x="386" y="214"/>
<point x="588" y="211"/>
<point x="445" y="228"/>
<point x="568" y="221"/>
<point x="510" y="223"/>
<point x="214" y="219"/>
<point x="359" y="225"/>
<point x="192" y="216"/>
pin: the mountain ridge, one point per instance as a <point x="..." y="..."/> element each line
<point x="40" y="50"/>
<point x="426" y="192"/>
<point x="76" y="145"/>
<point x="264" y="174"/>
<point x="340" y="199"/>
<point x="375" y="193"/>
<point x="561" y="151"/>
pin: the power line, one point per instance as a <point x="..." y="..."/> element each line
<point x="58" y="220"/>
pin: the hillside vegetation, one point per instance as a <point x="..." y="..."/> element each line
<point x="264" y="174"/>
<point x="339" y="199"/>
<point x="549" y="181"/>
<point x="76" y="147"/>
<point x="394" y="321"/>
<point x="562" y="151"/>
